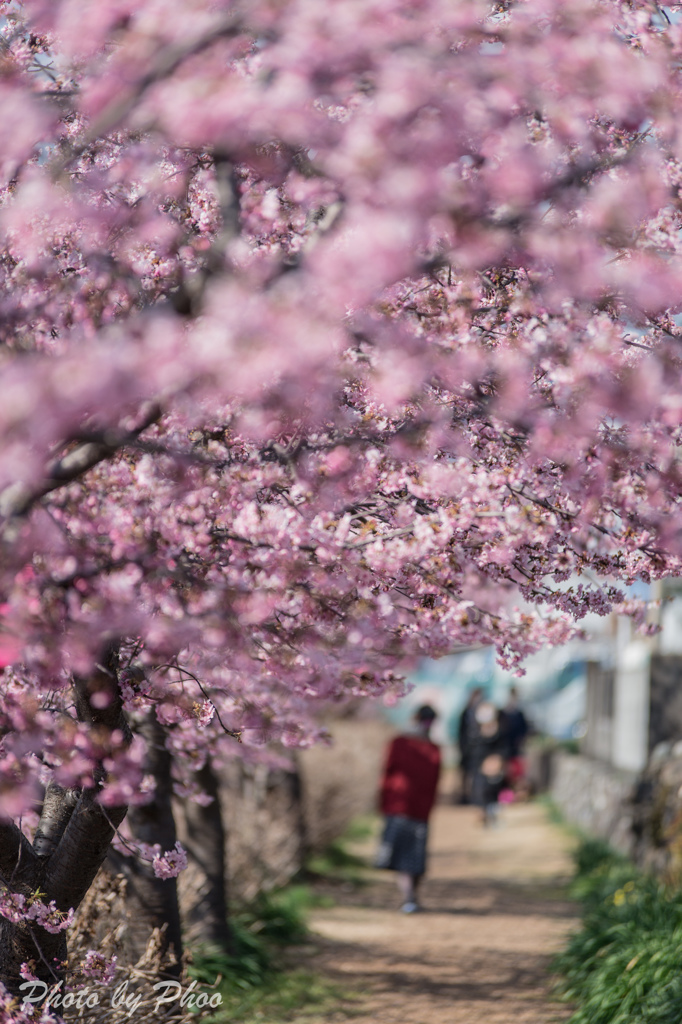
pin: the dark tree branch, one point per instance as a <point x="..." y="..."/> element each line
<point x="167" y="62"/>
<point x="58" y="806"/>
<point x="90" y="828"/>
<point x="74" y="828"/>
<point x="18" y="499"/>
<point x="17" y="859"/>
<point x="72" y="868"/>
<point x="106" y="714"/>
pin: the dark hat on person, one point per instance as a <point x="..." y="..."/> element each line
<point x="425" y="713"/>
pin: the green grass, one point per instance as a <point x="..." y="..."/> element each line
<point x="263" y="981"/>
<point x="623" y="966"/>
<point x="284" y="995"/>
<point x="279" y="917"/>
<point x="553" y="811"/>
<point x="339" y="864"/>
<point x="360" y="828"/>
<point x="259" y="982"/>
<point x="569" y="746"/>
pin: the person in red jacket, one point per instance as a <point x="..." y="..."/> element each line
<point x="408" y="793"/>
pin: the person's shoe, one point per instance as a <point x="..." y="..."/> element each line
<point x="410" y="907"/>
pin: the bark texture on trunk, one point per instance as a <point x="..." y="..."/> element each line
<point x="206" y="913"/>
<point x="58" y="806"/>
<point x="20" y="944"/>
<point x="70" y="844"/>
<point x="16" y="854"/>
<point x="153" y="902"/>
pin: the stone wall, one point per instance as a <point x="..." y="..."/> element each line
<point x="595" y="797"/>
<point x="665" y="712"/>
<point x="657" y="814"/>
<point x="273" y="819"/>
<point x="641" y="815"/>
<point x="341" y="781"/>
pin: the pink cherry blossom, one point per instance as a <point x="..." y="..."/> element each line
<point x="332" y="336"/>
<point x="98" y="967"/>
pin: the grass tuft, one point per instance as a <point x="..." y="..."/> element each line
<point x="257" y="983"/>
<point x="623" y="966"/>
<point x="337" y="864"/>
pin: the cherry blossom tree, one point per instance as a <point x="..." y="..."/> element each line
<point x="333" y="335"/>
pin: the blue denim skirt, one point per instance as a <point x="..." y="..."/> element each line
<point x="403" y="845"/>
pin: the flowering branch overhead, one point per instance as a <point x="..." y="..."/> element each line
<point x="332" y="335"/>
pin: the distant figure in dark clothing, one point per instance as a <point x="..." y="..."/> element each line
<point x="515" y="724"/>
<point x="516" y="728"/>
<point x="489" y="760"/>
<point x="408" y="793"/>
<point x="466" y="735"/>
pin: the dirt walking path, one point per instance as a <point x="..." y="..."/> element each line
<point x="495" y="911"/>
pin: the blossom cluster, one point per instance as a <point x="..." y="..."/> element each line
<point x="17" y="908"/>
<point x="167" y="864"/>
<point x="331" y="336"/>
<point x="98" y="967"/>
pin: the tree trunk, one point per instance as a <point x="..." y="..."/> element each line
<point x="19" y="944"/>
<point x="206" y="901"/>
<point x="20" y="870"/>
<point x="152" y="901"/>
<point x="70" y="843"/>
<point x="295" y="781"/>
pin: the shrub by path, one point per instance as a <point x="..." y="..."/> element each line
<point x="496" y="911"/>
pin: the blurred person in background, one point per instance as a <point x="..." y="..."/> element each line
<point x="516" y="728"/>
<point x="408" y="793"/>
<point x="489" y="760"/>
<point x="466" y="736"/>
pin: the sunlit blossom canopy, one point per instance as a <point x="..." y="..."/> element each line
<point x="332" y="334"/>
